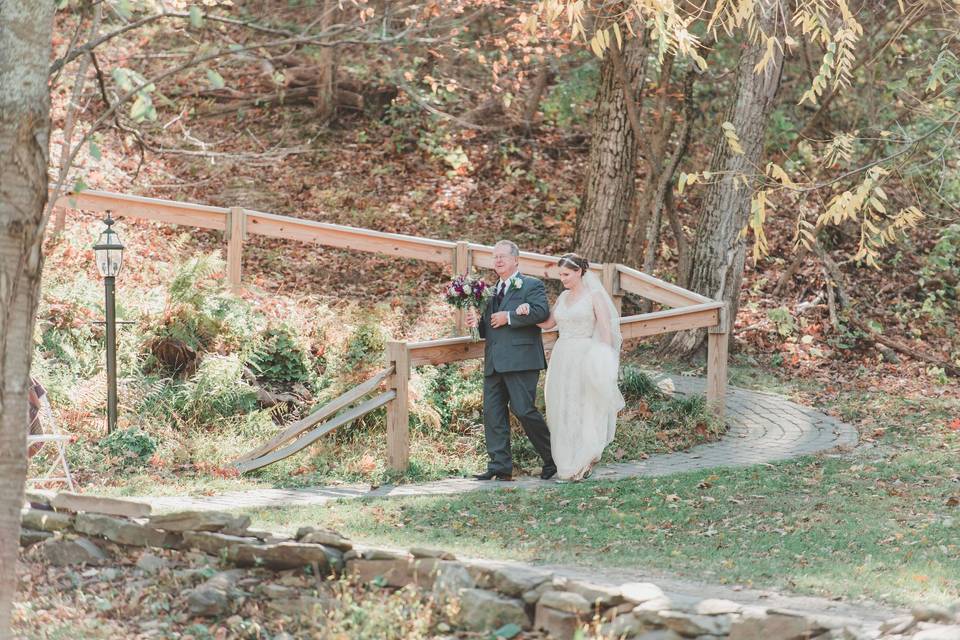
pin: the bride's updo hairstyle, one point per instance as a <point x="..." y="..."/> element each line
<point x="573" y="261"/>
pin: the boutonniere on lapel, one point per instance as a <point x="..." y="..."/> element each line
<point x="515" y="283"/>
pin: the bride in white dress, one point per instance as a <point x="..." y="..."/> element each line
<point x="581" y="388"/>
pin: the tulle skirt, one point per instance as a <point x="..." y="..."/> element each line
<point x="582" y="403"/>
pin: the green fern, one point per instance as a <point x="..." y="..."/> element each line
<point x="193" y="281"/>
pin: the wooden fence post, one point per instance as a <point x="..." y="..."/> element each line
<point x="461" y="265"/>
<point x="236" y="229"/>
<point x="398" y="409"/>
<point x="611" y="282"/>
<point x="718" y="339"/>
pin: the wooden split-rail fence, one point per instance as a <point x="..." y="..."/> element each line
<point x="686" y="310"/>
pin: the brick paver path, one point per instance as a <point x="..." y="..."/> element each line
<point x="764" y="427"/>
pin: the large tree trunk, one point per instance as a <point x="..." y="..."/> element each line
<point x="24" y="139"/>
<point x="606" y="207"/>
<point x="718" y="251"/>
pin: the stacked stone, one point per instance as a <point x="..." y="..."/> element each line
<point x="59" y="523"/>
<point x="71" y="529"/>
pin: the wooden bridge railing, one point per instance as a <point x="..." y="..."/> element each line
<point x="687" y="310"/>
<point x="403" y="356"/>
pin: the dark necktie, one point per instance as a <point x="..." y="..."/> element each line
<point x="501" y="288"/>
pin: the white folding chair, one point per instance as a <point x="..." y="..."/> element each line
<point x="59" y="442"/>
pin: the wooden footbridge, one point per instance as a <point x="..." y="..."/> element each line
<point x="685" y="309"/>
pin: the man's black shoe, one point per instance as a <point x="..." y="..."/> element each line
<point x="547" y="473"/>
<point x="490" y="475"/>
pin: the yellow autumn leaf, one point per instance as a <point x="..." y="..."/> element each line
<point x="717" y="11"/>
<point x="595" y="45"/>
<point x="777" y="173"/>
<point x="730" y="133"/>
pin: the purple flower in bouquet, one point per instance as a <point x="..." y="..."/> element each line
<point x="467" y="292"/>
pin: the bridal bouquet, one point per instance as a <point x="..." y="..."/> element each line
<point x="467" y="292"/>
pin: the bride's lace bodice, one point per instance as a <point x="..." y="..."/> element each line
<point x="576" y="319"/>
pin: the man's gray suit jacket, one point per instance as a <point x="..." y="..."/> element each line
<point x="519" y="345"/>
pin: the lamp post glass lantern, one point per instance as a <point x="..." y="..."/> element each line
<point x="109" y="250"/>
<point x="109" y="257"/>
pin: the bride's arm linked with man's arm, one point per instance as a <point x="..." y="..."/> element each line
<point x="604" y="333"/>
<point x="537" y="308"/>
<point x="547" y="324"/>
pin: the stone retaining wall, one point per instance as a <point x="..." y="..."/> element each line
<point x="70" y="529"/>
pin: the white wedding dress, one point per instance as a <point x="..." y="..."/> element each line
<point x="581" y="390"/>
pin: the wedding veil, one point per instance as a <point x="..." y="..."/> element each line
<point x="602" y="363"/>
<point x="612" y="322"/>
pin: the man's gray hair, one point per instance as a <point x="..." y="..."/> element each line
<point x="514" y="249"/>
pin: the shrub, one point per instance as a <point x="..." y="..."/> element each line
<point x="78" y="350"/>
<point x="66" y="332"/>
<point x="451" y="398"/>
<point x="200" y="317"/>
<point x="372" y="613"/>
<point x="193" y="280"/>
<point x="940" y="275"/>
<point x="655" y="421"/>
<point x="783" y="320"/>
<point x="569" y="102"/>
<point x="636" y="384"/>
<point x="133" y="447"/>
<point x="280" y="358"/>
<point x="363" y="350"/>
<point x="218" y="390"/>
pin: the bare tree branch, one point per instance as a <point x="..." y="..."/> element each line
<point x="410" y="91"/>
<point x="73" y="42"/>
<point x="74" y="53"/>
<point x="73" y="106"/>
<point x="200" y="60"/>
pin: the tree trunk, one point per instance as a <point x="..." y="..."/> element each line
<point x="718" y="252"/>
<point x="660" y="201"/>
<point x="659" y="182"/>
<point x="670" y="208"/>
<point x="606" y="207"/>
<point x="327" y="71"/>
<point x="654" y="142"/>
<point x="532" y="105"/>
<point x="24" y="141"/>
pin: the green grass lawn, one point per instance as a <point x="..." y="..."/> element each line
<point x="881" y="523"/>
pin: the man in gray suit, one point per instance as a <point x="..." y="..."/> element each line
<point x="513" y="358"/>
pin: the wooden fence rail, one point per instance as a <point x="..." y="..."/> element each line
<point x="403" y="356"/>
<point x="687" y="310"/>
<point x="238" y="223"/>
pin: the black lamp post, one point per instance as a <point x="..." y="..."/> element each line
<point x="109" y="254"/>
